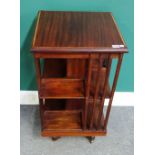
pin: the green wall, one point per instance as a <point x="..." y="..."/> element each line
<point x="123" y="11"/>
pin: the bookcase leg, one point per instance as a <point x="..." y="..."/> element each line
<point x="91" y="139"/>
<point x="55" y="138"/>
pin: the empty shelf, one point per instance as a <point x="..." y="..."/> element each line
<point x="61" y="121"/>
<point x="62" y="88"/>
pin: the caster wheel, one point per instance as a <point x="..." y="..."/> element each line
<point x="55" y="138"/>
<point x="91" y="139"/>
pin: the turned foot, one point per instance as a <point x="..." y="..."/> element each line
<point x="91" y="139"/>
<point x="55" y="138"/>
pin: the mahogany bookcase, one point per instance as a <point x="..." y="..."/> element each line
<point x="73" y="53"/>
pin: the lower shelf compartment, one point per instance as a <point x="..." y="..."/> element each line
<point x="62" y="121"/>
<point x="65" y="120"/>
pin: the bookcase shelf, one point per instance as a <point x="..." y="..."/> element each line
<point x="62" y="88"/>
<point x="62" y="120"/>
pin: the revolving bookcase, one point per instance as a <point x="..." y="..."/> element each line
<point x="73" y="53"/>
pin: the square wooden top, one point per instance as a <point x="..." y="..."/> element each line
<point x="77" y="32"/>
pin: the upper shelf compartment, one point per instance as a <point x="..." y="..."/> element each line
<point x="62" y="88"/>
<point x="54" y="68"/>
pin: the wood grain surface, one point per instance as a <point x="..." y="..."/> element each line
<point x="76" y="31"/>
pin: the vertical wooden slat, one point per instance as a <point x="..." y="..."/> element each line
<point x="41" y="110"/>
<point x="38" y="71"/>
<point x="104" y="92"/>
<point x="96" y="91"/>
<point x="88" y="82"/>
<point x="38" y="75"/>
<point x="113" y="90"/>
